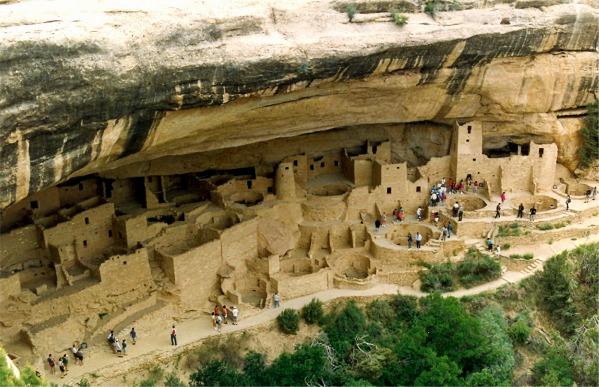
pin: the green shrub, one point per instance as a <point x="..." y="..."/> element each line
<point x="405" y="307"/>
<point x="438" y="278"/>
<point x="380" y="310"/>
<point x="506" y="246"/>
<point x="477" y="269"/>
<point x="554" y="369"/>
<point x="519" y="331"/>
<point x="511" y="230"/>
<point x="545" y="227"/>
<point x="172" y="380"/>
<point x="431" y="8"/>
<point x="313" y="312"/>
<point x="557" y="226"/>
<point x="589" y="151"/>
<point x="527" y="256"/>
<point x="399" y="19"/>
<point x="351" y="11"/>
<point x="304" y="69"/>
<point x="148" y="383"/>
<point x="289" y="321"/>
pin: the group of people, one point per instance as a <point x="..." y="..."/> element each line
<point x="532" y="211"/>
<point x="63" y="364"/>
<point x="418" y="240"/>
<point x="119" y="347"/>
<point x="457" y="211"/>
<point x="220" y="316"/>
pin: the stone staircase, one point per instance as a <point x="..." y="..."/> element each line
<point x="535" y="264"/>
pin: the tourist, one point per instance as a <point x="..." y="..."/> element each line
<point x="219" y="321"/>
<point x="460" y="212"/>
<point x="124" y="347"/>
<point x="587" y="195"/>
<point x="117" y="348"/>
<point x="63" y="371"/>
<point x="449" y="228"/>
<point x="444" y="233"/>
<point x="77" y="354"/>
<point x="276" y="298"/>
<point x="377" y="225"/>
<point x="213" y="321"/>
<point x="475" y="186"/>
<point x="502" y="197"/>
<point x="51" y="364"/>
<point x="436" y="215"/>
<point x="568" y="201"/>
<point x="133" y="335"/>
<point x="455" y="208"/>
<point x="418" y="240"/>
<point x="400" y="214"/>
<point x="394" y="215"/>
<point x="520" y="211"/>
<point x="594" y="193"/>
<point x="443" y="196"/>
<point x="498" y="211"/>
<point x="65" y="361"/>
<point x="419" y="214"/>
<point x="443" y="181"/>
<point x="433" y="199"/>
<point x="497" y="251"/>
<point x="409" y="241"/>
<point x="216" y="310"/>
<point x="533" y="212"/>
<point x="384" y="220"/>
<point x="235" y="314"/>
<point x="174" y="336"/>
<point x="489" y="244"/>
<point x="225" y="314"/>
<point x="111" y="340"/>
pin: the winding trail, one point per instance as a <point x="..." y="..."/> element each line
<point x="101" y="367"/>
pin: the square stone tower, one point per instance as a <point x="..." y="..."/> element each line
<point x="466" y="148"/>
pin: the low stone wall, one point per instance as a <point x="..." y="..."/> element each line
<point x="546" y="236"/>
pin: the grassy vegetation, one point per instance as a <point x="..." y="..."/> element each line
<point x="511" y="230"/>
<point x="288" y="321"/>
<point x="351" y="11"/>
<point x="474" y="269"/>
<point x="527" y="256"/>
<point x="399" y="19"/>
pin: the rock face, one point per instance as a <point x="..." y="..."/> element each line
<point x="125" y="90"/>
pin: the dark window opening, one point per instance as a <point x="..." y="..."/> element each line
<point x="269" y="189"/>
<point x="124" y="262"/>
<point x="322" y="165"/>
<point x="150" y="179"/>
<point x="374" y="149"/>
<point x="120" y="235"/>
<point x="418" y="189"/>
<point x="525" y="149"/>
<point x="336" y="163"/>
<point x="507" y="150"/>
<point x="110" y="233"/>
<point x="249" y="182"/>
<point x="34" y="204"/>
<point x="311" y="167"/>
<point x="541" y="151"/>
<point x="388" y="190"/>
<point x="86" y="220"/>
<point x="469" y="129"/>
<point x="473" y="159"/>
<point x="286" y="168"/>
<point x="295" y="163"/>
<point x="85" y="243"/>
<point x="80" y="186"/>
<point x="468" y="140"/>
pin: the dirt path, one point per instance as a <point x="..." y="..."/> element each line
<point x="101" y="366"/>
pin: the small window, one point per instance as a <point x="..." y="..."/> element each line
<point x="374" y="149"/>
<point x="468" y="140"/>
<point x="80" y="186"/>
<point x="269" y="189"/>
<point x="85" y="243"/>
<point x="311" y="167"/>
<point x="150" y="179"/>
<point x="34" y="204"/>
<point x="124" y="262"/>
<point x="286" y="168"/>
<point x="541" y="150"/>
<point x="322" y="165"/>
<point x="469" y="129"/>
<point x="388" y="190"/>
<point x="295" y="163"/>
<point x="86" y="220"/>
<point x="418" y="189"/>
<point x="336" y="163"/>
<point x="473" y="159"/>
<point x="110" y="233"/>
<point x="249" y="182"/>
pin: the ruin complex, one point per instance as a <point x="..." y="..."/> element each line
<point x="226" y="159"/>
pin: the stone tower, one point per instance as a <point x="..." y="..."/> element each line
<point x="285" y="182"/>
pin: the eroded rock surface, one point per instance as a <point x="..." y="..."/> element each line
<point x="121" y="89"/>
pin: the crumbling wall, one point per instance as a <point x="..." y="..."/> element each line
<point x="37" y="205"/>
<point x="240" y="242"/>
<point x="9" y="286"/>
<point x="126" y="270"/>
<point x="69" y="195"/>
<point x="20" y="245"/>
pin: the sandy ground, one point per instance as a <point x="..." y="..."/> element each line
<point x="102" y="367"/>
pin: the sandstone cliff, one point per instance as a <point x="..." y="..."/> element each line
<point x="139" y="87"/>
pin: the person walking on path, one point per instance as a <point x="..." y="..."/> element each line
<point x="377" y="225"/>
<point x="174" y="336"/>
<point x="133" y="335"/>
<point x="65" y="361"/>
<point x="77" y="354"/>
<point x="276" y="300"/>
<point x="418" y="240"/>
<point x="503" y="197"/>
<point x="454" y="211"/>
<point x="449" y="228"/>
<point x="235" y="313"/>
<point x="489" y="244"/>
<point x="219" y="321"/>
<point x="444" y="233"/>
<point x="497" y="251"/>
<point x="384" y="220"/>
<point x="63" y="371"/>
<point x="419" y="214"/>
<point x="225" y="314"/>
<point x="410" y="241"/>
<point x="117" y="348"/>
<point x="400" y="214"/>
<point x="124" y="347"/>
<point x="51" y="364"/>
<point x="533" y="212"/>
<point x="460" y="212"/>
<point x="216" y="310"/>
<point x="213" y="321"/>
<point x="520" y="211"/>
<point x="568" y="201"/>
<point x="498" y="211"/>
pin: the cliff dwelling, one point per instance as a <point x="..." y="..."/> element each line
<point x="229" y="167"/>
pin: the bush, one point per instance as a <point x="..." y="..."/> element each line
<point x="438" y="278"/>
<point x="405" y="307"/>
<point x="351" y="11"/>
<point x="511" y="230"/>
<point x="399" y="19"/>
<point x="289" y="321"/>
<point x="519" y="331"/>
<point x="589" y="151"/>
<point x="545" y="227"/>
<point x="553" y="369"/>
<point x="527" y="256"/>
<point x="506" y="246"/>
<point x="172" y="380"/>
<point x="474" y="270"/>
<point x="313" y="312"/>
